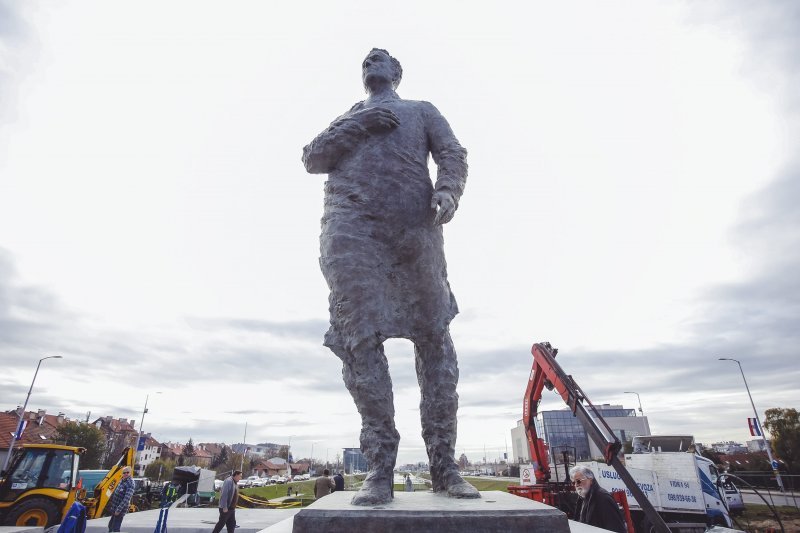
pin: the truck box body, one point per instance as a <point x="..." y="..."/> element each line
<point x="678" y="484"/>
<point x="667" y="493"/>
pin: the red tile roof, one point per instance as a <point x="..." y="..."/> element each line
<point x="34" y="431"/>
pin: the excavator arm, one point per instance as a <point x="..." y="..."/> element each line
<point x="546" y="372"/>
<point x="96" y="503"/>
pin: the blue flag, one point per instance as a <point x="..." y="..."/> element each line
<point x="22" y="425"/>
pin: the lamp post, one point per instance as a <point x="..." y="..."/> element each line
<point x="772" y="461"/>
<point x="141" y="428"/>
<point x="313" y="442"/>
<point x="639" y="399"/>
<point x="288" y="456"/>
<point x="244" y="453"/>
<point x="16" y="435"/>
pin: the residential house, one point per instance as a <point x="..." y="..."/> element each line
<point x="214" y="449"/>
<point x="277" y="466"/>
<point x="40" y="427"/>
<point x="171" y="451"/>
<point x="174" y="451"/>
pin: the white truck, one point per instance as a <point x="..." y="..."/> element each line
<point x="681" y="485"/>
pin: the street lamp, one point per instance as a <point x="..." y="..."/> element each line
<point x="141" y="427"/>
<point x="16" y="435"/>
<point x="313" y="442"/>
<point x="772" y="461"/>
<point x="640" y="401"/>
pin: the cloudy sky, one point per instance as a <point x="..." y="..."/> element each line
<point x="631" y="199"/>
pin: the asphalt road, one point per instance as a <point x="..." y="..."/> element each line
<point x="774" y="498"/>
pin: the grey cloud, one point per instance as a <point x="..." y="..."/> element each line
<point x="18" y="45"/>
<point x="770" y="30"/>
<point x="305" y="329"/>
<point x="26" y="317"/>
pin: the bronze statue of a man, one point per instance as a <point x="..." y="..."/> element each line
<point x="382" y="254"/>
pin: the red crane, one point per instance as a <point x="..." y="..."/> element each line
<point x="546" y="372"/>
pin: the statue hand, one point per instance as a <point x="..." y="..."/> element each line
<point x="446" y="204"/>
<point x="376" y="119"/>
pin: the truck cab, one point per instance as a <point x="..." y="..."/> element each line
<point x="675" y="462"/>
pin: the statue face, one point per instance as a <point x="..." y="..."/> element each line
<point x="377" y="67"/>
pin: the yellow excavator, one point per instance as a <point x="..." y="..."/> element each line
<point x="42" y="483"/>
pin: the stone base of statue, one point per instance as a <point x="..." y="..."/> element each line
<point x="412" y="512"/>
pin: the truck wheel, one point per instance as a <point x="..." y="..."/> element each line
<point x="35" y="512"/>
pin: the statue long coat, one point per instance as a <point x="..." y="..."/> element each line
<point x="380" y="252"/>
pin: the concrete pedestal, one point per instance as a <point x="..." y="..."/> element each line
<point x="412" y="512"/>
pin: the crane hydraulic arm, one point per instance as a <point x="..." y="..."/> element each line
<point x="546" y="372"/>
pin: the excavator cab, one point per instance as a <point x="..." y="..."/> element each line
<point x="38" y="485"/>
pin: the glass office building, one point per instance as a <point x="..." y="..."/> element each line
<point x="563" y="431"/>
<point x="354" y="460"/>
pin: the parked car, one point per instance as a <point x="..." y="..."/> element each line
<point x="274" y="479"/>
<point x="243" y="483"/>
<point x="218" y="484"/>
<point x="259" y="482"/>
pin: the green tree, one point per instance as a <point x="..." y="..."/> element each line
<point x="283" y="452"/>
<point x="160" y="469"/>
<point x="233" y="462"/>
<point x="72" y="433"/>
<point x="187" y="455"/>
<point x="784" y="427"/>
<point x="463" y="462"/>
<point x="220" y="459"/>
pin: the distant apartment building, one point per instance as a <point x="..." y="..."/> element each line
<point x="757" y="445"/>
<point x="729" y="447"/>
<point x="120" y="433"/>
<point x="150" y="452"/>
<point x="267" y="449"/>
<point x="562" y="431"/>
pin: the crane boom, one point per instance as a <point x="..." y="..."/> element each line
<point x="546" y="372"/>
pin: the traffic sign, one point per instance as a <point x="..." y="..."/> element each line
<point x="774" y="464"/>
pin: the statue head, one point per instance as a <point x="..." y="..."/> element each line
<point x="380" y="67"/>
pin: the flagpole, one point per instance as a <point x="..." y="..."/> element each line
<point x="773" y="464"/>
<point x="18" y="435"/>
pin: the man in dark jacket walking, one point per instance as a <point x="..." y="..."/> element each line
<point x="120" y="500"/>
<point x="227" y="503"/>
<point x="595" y="506"/>
<point x="338" y="480"/>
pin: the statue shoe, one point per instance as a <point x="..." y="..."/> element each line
<point x="458" y="488"/>
<point x="375" y="491"/>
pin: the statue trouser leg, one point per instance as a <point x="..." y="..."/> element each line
<point x="437" y="373"/>
<point x="366" y="374"/>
